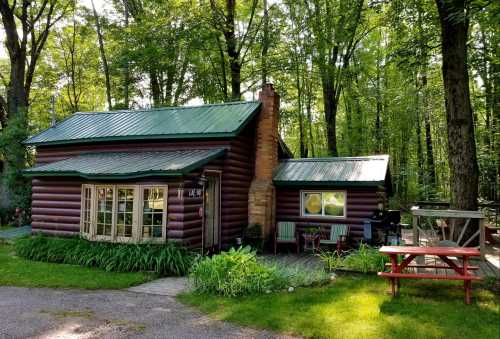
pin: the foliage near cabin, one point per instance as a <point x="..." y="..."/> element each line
<point x="166" y="259"/>
<point x="355" y="77"/>
<point x="238" y="272"/>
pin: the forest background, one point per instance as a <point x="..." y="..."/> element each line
<point x="356" y="77"/>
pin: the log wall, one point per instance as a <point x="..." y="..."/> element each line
<point x="56" y="201"/>
<point x="361" y="202"/>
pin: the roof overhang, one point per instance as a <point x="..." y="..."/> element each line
<point x="330" y="183"/>
<point x="368" y="171"/>
<point x="127" y="165"/>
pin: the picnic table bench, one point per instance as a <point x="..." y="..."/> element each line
<point x="444" y="253"/>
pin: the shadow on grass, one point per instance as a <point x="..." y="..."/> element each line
<point x="360" y="307"/>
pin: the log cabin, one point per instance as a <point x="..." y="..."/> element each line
<point x="196" y="175"/>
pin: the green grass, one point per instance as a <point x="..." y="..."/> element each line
<point x="15" y="271"/>
<point x="359" y="307"/>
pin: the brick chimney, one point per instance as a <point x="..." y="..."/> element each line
<point x="261" y="198"/>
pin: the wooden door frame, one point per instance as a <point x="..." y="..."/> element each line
<point x="218" y="174"/>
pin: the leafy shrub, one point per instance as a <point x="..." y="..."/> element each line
<point x="365" y="259"/>
<point x="232" y="273"/>
<point x="165" y="259"/>
<point x="331" y="260"/>
<point x="238" y="272"/>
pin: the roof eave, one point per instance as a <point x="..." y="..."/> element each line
<point x="131" y="175"/>
<point x="329" y="183"/>
<point x="134" y="138"/>
<point x="134" y="175"/>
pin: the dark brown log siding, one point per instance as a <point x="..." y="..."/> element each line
<point x="56" y="201"/>
<point x="361" y="202"/>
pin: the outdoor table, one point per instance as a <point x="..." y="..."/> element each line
<point x="311" y="242"/>
<point x="444" y="253"/>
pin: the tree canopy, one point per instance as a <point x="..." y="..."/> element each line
<point x="355" y="77"/>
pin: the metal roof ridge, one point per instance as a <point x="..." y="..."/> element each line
<point x="146" y="152"/>
<point x="326" y="159"/>
<point x="152" y="109"/>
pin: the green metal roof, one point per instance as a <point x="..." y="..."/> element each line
<point x="207" y="121"/>
<point x="339" y="171"/>
<point x="120" y="165"/>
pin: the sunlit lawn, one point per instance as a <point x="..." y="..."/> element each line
<point x="15" y="271"/>
<point x="359" y="307"/>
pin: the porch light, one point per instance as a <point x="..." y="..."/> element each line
<point x="202" y="180"/>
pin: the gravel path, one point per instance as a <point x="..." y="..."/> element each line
<point x="63" y="313"/>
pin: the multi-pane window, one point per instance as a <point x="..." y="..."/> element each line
<point x="104" y="210"/>
<point x="124" y="212"/>
<point x="86" y="209"/>
<point x="324" y="204"/>
<point x="153" y="212"/>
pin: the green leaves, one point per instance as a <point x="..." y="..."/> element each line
<point x="238" y="272"/>
<point x="165" y="259"/>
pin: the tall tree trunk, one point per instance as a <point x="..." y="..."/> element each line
<point x="308" y="85"/>
<point x="265" y="44"/>
<point x="126" y="69"/>
<point x="232" y="51"/>
<point x="431" y="167"/>
<point x="223" y="68"/>
<point x="300" y="115"/>
<point x="464" y="172"/>
<point x="378" y="125"/>
<point x="154" y="84"/>
<point x="420" y="155"/>
<point x="330" y="107"/>
<point x="495" y="119"/>
<point x="100" y="38"/>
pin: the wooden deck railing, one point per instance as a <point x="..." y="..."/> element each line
<point x="441" y="225"/>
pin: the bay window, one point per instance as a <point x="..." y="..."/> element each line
<point x="331" y="204"/>
<point x="124" y="213"/>
<point x="153" y="212"/>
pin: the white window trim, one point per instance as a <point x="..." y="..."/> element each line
<point x="113" y="217"/>
<point x="83" y="234"/>
<point x="134" y="214"/>
<point x="136" y="218"/>
<point x="165" y="214"/>
<point x="322" y="215"/>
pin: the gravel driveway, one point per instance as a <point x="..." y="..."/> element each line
<point x="62" y="313"/>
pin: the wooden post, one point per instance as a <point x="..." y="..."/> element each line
<point x="467" y="283"/>
<point x="416" y="241"/>
<point x="482" y="238"/>
<point x="416" y="235"/>
<point x="394" y="269"/>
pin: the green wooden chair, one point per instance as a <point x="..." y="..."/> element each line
<point x="286" y="233"/>
<point x="337" y="236"/>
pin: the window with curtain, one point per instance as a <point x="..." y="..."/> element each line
<point x="330" y="204"/>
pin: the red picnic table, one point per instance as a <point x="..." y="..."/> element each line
<point x="444" y="253"/>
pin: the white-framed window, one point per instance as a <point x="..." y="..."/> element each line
<point x="329" y="204"/>
<point x="154" y="212"/>
<point x="86" y="219"/>
<point x="124" y="213"/>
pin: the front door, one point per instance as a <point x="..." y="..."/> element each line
<point x="211" y="231"/>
